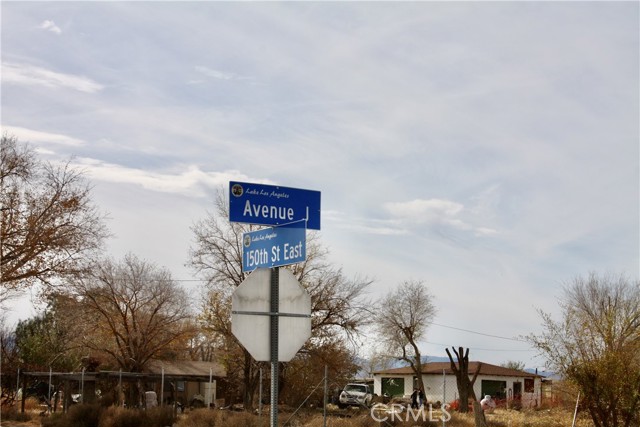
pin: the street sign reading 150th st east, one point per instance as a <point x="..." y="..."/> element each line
<point x="273" y="205"/>
<point x="274" y="247"/>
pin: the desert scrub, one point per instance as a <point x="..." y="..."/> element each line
<point x="12" y="413"/>
<point x="113" y="416"/>
<point x="78" y="416"/>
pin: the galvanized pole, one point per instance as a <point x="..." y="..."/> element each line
<point x="324" y="411"/>
<point x="162" y="387"/>
<point x="444" y="395"/>
<point x="260" y="394"/>
<point x="275" y="297"/>
<point x="82" y="400"/>
<point x="575" y="413"/>
<point x="210" y="387"/>
<point x="49" y="402"/>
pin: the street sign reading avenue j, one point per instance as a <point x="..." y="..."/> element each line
<point x="273" y="205"/>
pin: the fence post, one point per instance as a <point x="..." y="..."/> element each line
<point x="18" y="384"/>
<point x="444" y="395"/>
<point x="324" y="410"/>
<point x="82" y="387"/>
<point x="162" y="388"/>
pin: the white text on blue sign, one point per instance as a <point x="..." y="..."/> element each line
<point x="273" y="247"/>
<point x="273" y="205"/>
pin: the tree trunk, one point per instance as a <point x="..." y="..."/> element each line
<point x="461" y="371"/>
<point x="463" y="391"/>
<point x="478" y="415"/>
<point x="247" y="398"/>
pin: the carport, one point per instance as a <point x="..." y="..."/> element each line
<point x="173" y="383"/>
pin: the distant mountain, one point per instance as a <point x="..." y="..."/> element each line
<point x="427" y="359"/>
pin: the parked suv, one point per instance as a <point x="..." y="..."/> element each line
<point x="355" y="394"/>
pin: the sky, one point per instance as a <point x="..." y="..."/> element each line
<point x="488" y="149"/>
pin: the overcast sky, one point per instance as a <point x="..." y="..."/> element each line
<point x="490" y="150"/>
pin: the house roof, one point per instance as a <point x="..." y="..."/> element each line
<point x="436" y="368"/>
<point x="186" y="368"/>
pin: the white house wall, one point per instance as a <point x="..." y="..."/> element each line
<point x="443" y="388"/>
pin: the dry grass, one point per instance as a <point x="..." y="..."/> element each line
<point x="362" y="418"/>
<point x="207" y="418"/>
<point x="536" y="418"/>
<point x="11" y="415"/>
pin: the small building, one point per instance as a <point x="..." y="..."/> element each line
<point x="440" y="383"/>
<point x="186" y="379"/>
<point x="168" y="382"/>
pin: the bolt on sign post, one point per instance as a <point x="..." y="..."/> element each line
<point x="271" y="300"/>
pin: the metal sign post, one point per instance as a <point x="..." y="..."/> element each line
<point x="256" y="322"/>
<point x="275" y="299"/>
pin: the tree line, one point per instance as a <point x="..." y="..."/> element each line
<point x="104" y="313"/>
<point x="119" y="314"/>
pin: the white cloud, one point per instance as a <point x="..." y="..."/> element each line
<point x="433" y="212"/>
<point x="485" y="231"/>
<point x="420" y="211"/>
<point x="192" y="182"/>
<point x="38" y="137"/>
<point x="216" y="74"/>
<point x="31" y="75"/>
<point x="50" y="26"/>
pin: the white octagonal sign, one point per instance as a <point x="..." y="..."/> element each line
<point x="253" y="330"/>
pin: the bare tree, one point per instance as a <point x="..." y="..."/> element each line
<point x="461" y="371"/>
<point x="134" y="310"/>
<point x="48" y="225"/>
<point x="596" y="345"/>
<point x="402" y="319"/>
<point x="513" y="364"/>
<point x="338" y="304"/>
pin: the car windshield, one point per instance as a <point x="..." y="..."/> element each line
<point x="356" y="387"/>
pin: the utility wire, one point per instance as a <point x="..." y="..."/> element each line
<point x="479" y="349"/>
<point x="476" y="332"/>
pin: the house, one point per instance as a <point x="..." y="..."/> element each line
<point x="440" y="383"/>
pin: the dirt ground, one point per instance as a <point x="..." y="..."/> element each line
<point x="501" y="418"/>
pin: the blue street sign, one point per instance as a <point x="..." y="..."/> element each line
<point x="273" y="205"/>
<point x="273" y="247"/>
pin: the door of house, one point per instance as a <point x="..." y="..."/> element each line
<point x="494" y="388"/>
<point x="517" y="390"/>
